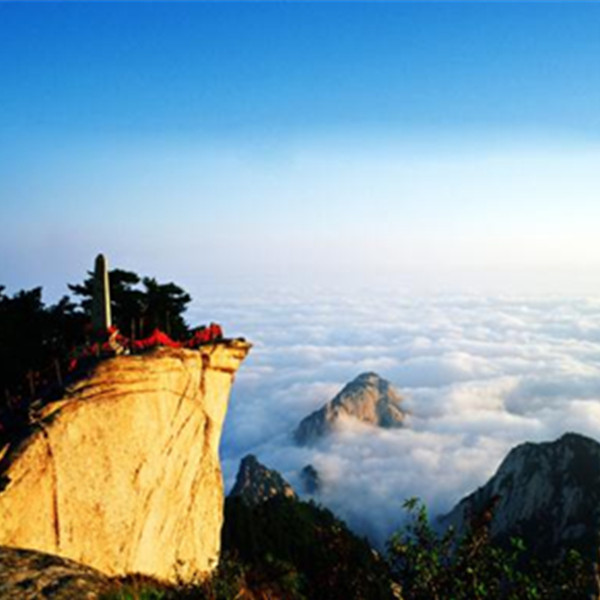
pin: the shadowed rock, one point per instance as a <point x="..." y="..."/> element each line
<point x="255" y="483"/>
<point x="548" y="494"/>
<point x="30" y="575"/>
<point x="310" y="480"/>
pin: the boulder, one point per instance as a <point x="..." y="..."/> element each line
<point x="31" y="575"/>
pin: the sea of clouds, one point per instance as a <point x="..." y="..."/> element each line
<point x="479" y="375"/>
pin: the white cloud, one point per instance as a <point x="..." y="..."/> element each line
<point x="479" y="375"/>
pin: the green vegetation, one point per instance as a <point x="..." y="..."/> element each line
<point x="330" y="561"/>
<point x="282" y="549"/>
<point x="31" y="334"/>
<point x="231" y="580"/>
<point x="432" y="566"/>
<point x="140" y="304"/>
<point x="290" y="550"/>
<point x="36" y="339"/>
<point x="34" y="343"/>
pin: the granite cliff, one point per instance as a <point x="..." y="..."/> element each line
<point x="547" y="493"/>
<point x="122" y="474"/>
<point x="368" y="398"/>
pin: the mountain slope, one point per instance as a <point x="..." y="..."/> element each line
<point x="272" y="532"/>
<point x="368" y="398"/>
<point x="548" y="494"/>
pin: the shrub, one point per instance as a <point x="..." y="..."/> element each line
<point x="433" y="566"/>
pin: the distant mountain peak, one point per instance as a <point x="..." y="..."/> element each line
<point x="256" y="483"/>
<point x="368" y="398"/>
<point x="311" y="480"/>
<point x="368" y="376"/>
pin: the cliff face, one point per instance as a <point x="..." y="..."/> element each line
<point x="368" y="398"/>
<point x="123" y="473"/>
<point x="548" y="494"/>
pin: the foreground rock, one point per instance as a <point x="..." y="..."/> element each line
<point x="255" y="483"/>
<point x="548" y="494"/>
<point x="30" y="575"/>
<point x="368" y="398"/>
<point x="123" y="473"/>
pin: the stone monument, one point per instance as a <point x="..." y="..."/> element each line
<point x="101" y="318"/>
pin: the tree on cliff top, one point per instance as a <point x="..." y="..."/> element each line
<point x="32" y="338"/>
<point x="139" y="304"/>
<point x="35" y="338"/>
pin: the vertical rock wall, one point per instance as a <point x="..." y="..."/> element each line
<point x="123" y="474"/>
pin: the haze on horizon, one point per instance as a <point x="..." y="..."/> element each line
<point x="445" y="144"/>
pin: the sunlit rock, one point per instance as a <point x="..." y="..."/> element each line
<point x="368" y="398"/>
<point x="123" y="473"/>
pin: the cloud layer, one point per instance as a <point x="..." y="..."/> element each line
<point x="478" y="374"/>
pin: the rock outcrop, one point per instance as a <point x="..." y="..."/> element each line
<point x="548" y="494"/>
<point x="123" y="473"/>
<point x="256" y="484"/>
<point x="31" y="575"/>
<point x="368" y="398"/>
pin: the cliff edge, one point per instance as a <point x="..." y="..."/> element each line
<point x="122" y="473"/>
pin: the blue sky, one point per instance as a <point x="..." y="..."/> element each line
<point x="294" y="139"/>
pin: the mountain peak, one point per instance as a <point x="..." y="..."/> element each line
<point x="256" y="483"/>
<point x="368" y="398"/>
<point x="311" y="480"/>
<point x="368" y="375"/>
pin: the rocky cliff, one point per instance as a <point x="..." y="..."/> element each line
<point x="255" y="483"/>
<point x="123" y="473"/>
<point x="548" y="494"/>
<point x="369" y="398"/>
